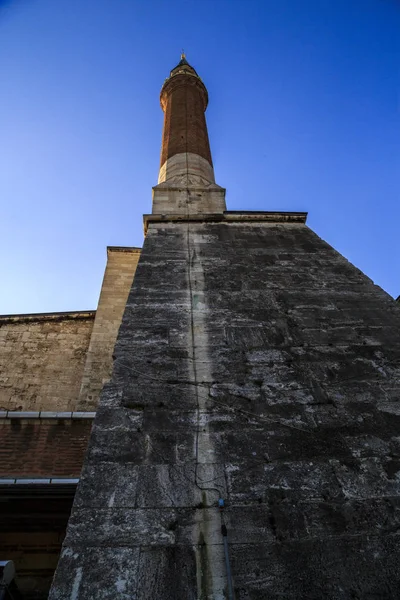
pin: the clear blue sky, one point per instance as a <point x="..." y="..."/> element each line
<point x="303" y="115"/>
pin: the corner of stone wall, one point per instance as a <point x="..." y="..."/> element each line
<point x="117" y="282"/>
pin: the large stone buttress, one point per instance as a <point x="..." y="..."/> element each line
<point x="247" y="445"/>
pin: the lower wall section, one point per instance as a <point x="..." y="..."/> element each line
<point x="253" y="365"/>
<point x="43" y="447"/>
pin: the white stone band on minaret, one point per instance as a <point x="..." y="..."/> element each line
<point x="186" y="164"/>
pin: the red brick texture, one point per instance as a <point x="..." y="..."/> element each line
<point x="184" y="99"/>
<point x="43" y="448"/>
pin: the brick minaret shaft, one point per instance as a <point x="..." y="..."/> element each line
<point x="185" y="145"/>
<point x="186" y="177"/>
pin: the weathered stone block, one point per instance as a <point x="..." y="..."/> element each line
<point x="117" y="485"/>
<point x="167" y="572"/>
<point x="101" y="573"/>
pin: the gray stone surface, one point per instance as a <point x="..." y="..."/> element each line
<point x="256" y="364"/>
<point x="101" y="573"/>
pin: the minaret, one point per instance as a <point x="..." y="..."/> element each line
<point x="185" y="146"/>
<point x="186" y="182"/>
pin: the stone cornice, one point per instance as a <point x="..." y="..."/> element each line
<point x="130" y="249"/>
<point x="55" y="316"/>
<point x="229" y="216"/>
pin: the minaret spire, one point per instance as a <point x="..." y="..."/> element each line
<point x="185" y="149"/>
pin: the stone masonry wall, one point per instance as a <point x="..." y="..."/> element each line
<point x="117" y="281"/>
<point x="42" y="359"/>
<point x="254" y="364"/>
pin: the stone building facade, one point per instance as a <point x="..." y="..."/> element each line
<point x="52" y="369"/>
<point x="246" y="443"/>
